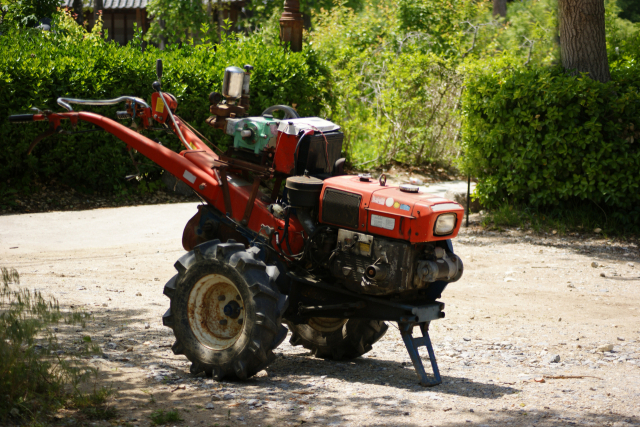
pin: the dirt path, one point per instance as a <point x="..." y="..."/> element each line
<point x="527" y="308"/>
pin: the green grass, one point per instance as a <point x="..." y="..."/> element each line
<point x="95" y="406"/>
<point x="581" y="218"/>
<point x="35" y="379"/>
<point x="161" y="417"/>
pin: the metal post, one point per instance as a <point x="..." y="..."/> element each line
<point x="468" y="198"/>
<point x="291" y="24"/>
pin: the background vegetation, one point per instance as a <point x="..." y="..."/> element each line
<point x="411" y="81"/>
<point x="38" y="67"/>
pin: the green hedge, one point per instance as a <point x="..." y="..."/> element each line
<point x="539" y="137"/>
<point x="36" y="68"/>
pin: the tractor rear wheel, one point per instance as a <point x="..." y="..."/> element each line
<point x="225" y="310"/>
<point x="337" y="338"/>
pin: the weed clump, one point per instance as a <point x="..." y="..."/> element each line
<point x="35" y="379"/>
<point x="160" y="417"/>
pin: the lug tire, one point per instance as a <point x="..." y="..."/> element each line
<point x="353" y="339"/>
<point x="244" y="345"/>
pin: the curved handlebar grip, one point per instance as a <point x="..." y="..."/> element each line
<point x="21" y="118"/>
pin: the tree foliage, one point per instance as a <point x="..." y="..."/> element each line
<point x="629" y="10"/>
<point x="27" y="13"/>
<point x="177" y="21"/>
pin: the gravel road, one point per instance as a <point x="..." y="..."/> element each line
<point x="541" y="330"/>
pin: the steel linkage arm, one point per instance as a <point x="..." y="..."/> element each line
<point x="202" y="181"/>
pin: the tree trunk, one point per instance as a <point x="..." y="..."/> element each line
<point x="499" y="8"/>
<point x="163" y="37"/>
<point x="77" y="9"/>
<point x="583" y="46"/>
<point x="220" y="20"/>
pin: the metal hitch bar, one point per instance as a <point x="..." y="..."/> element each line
<point x="412" y="343"/>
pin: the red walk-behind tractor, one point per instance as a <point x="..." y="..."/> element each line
<point x="332" y="256"/>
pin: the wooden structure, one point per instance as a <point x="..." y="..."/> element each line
<point x="291" y="24"/>
<point x="120" y="15"/>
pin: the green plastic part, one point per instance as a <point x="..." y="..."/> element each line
<point x="255" y="133"/>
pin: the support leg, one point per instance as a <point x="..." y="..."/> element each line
<point x="412" y="344"/>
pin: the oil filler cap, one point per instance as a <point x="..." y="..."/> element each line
<point x="409" y="188"/>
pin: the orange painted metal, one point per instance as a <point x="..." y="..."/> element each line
<point x="194" y="168"/>
<point x="284" y="161"/>
<point x="159" y="111"/>
<point x="387" y="211"/>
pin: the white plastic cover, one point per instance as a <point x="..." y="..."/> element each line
<point x="294" y="126"/>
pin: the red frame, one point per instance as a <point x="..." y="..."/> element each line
<point x="194" y="168"/>
<point x="413" y="214"/>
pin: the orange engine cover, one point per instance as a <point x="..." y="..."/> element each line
<point x="368" y="207"/>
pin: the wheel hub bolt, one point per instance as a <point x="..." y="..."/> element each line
<point x="221" y="298"/>
<point x="223" y="321"/>
<point x="232" y="310"/>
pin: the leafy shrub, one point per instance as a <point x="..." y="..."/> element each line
<point x="36" y="68"/>
<point x="540" y="137"/>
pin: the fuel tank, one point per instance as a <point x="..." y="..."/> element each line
<point x="366" y="206"/>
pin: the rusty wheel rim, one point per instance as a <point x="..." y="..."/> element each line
<point x="216" y="312"/>
<point x="326" y="324"/>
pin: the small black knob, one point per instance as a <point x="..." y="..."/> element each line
<point x="248" y="68"/>
<point x="214" y="98"/>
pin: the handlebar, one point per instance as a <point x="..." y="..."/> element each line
<point x="21" y="118"/>
<point x="64" y="102"/>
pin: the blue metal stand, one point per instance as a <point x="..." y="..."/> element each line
<point x="412" y="344"/>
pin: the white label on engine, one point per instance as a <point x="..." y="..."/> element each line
<point x="377" y="199"/>
<point x="383" y="222"/>
<point x="189" y="176"/>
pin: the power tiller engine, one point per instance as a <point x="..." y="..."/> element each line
<point x="285" y="236"/>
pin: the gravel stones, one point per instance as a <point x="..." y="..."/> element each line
<point x="512" y="326"/>
<point x="554" y="358"/>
